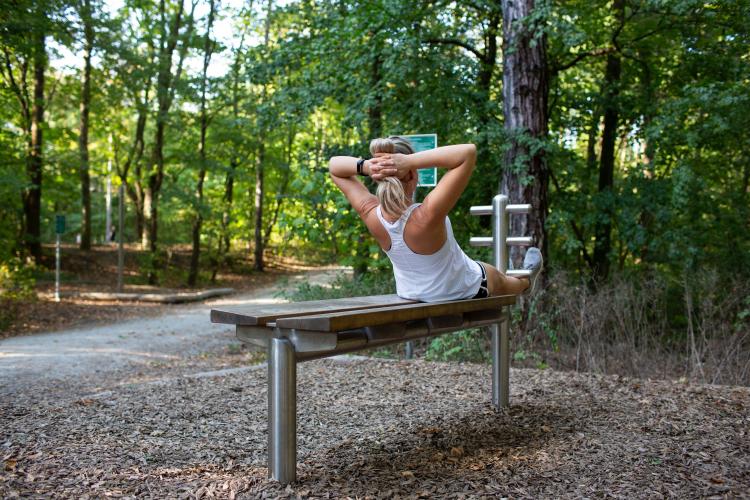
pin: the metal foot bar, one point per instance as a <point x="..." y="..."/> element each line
<point x="282" y="411"/>
<point x="500" y="211"/>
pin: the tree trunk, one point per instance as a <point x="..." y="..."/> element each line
<point x="259" y="169"/>
<point x="259" y="188"/>
<point x="198" y="221"/>
<point x="603" y="228"/>
<point x="135" y="190"/>
<point x="32" y="199"/>
<point x="83" y="138"/>
<point x="165" y="93"/>
<point x="226" y="217"/>
<point x="525" y="92"/>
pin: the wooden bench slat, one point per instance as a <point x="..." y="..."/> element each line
<point x="260" y="315"/>
<point x="348" y="320"/>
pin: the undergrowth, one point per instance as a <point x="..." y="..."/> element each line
<point x="634" y="325"/>
<point x="16" y="285"/>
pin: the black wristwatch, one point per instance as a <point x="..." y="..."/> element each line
<point x="360" y="167"/>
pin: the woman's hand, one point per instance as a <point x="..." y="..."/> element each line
<point x="378" y="172"/>
<point x="390" y="164"/>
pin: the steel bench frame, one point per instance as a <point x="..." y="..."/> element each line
<point x="303" y="331"/>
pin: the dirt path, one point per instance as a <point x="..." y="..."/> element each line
<point x="81" y="360"/>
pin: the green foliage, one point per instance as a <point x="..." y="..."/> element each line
<point x="465" y="345"/>
<point x="373" y="283"/>
<point x="16" y="285"/>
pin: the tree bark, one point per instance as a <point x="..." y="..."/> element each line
<point x="32" y="197"/>
<point x="226" y="217"/>
<point x="259" y="169"/>
<point x="166" y="80"/>
<point x="525" y="93"/>
<point x="259" y="188"/>
<point x="198" y="221"/>
<point x="610" y="91"/>
<point x="83" y="138"/>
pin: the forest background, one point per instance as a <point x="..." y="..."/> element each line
<point x="624" y="123"/>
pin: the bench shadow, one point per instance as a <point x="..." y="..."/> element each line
<point x="458" y="448"/>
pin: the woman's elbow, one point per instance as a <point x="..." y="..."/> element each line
<point x="471" y="154"/>
<point x="332" y="166"/>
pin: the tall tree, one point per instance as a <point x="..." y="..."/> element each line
<point x="525" y="94"/>
<point x="166" y="81"/>
<point x="234" y="162"/>
<point x="260" y="166"/>
<point x="85" y="14"/>
<point x="208" y="49"/>
<point x="23" y="71"/>
<point x="610" y="92"/>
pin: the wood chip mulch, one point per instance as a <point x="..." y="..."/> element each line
<point x="385" y="429"/>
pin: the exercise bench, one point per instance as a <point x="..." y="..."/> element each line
<point x="302" y="331"/>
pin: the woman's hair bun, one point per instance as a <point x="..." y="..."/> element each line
<point x="391" y="193"/>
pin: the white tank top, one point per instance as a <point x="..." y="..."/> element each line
<point x="448" y="274"/>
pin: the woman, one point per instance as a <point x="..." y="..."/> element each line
<point x="427" y="262"/>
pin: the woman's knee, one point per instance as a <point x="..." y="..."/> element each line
<point x="494" y="279"/>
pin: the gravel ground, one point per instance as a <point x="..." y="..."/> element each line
<point x="374" y="428"/>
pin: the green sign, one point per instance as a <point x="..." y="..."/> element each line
<point x="59" y="224"/>
<point x="423" y="142"/>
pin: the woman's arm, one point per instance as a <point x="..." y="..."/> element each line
<point x="449" y="157"/>
<point x="459" y="159"/>
<point x="346" y="166"/>
<point x="343" y="170"/>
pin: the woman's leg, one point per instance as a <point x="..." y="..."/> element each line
<point x="500" y="284"/>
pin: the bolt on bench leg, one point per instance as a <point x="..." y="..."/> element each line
<point x="500" y="365"/>
<point x="282" y="411"/>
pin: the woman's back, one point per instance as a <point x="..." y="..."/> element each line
<point x="446" y="273"/>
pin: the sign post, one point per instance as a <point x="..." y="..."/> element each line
<point x="427" y="177"/>
<point x="59" y="230"/>
<point x="120" y="235"/>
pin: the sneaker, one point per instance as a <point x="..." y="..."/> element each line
<point x="532" y="262"/>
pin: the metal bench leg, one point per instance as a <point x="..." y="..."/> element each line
<point x="282" y="411"/>
<point x="500" y="365"/>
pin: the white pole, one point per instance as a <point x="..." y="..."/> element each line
<point x="120" y="237"/>
<point x="108" y="198"/>
<point x="57" y="269"/>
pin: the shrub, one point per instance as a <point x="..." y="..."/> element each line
<point x="698" y="328"/>
<point x="16" y="285"/>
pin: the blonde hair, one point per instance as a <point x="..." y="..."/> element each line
<point x="391" y="193"/>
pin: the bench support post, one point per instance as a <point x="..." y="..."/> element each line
<point x="500" y="365"/>
<point x="282" y="411"/>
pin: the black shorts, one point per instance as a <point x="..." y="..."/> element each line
<point x="483" y="290"/>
